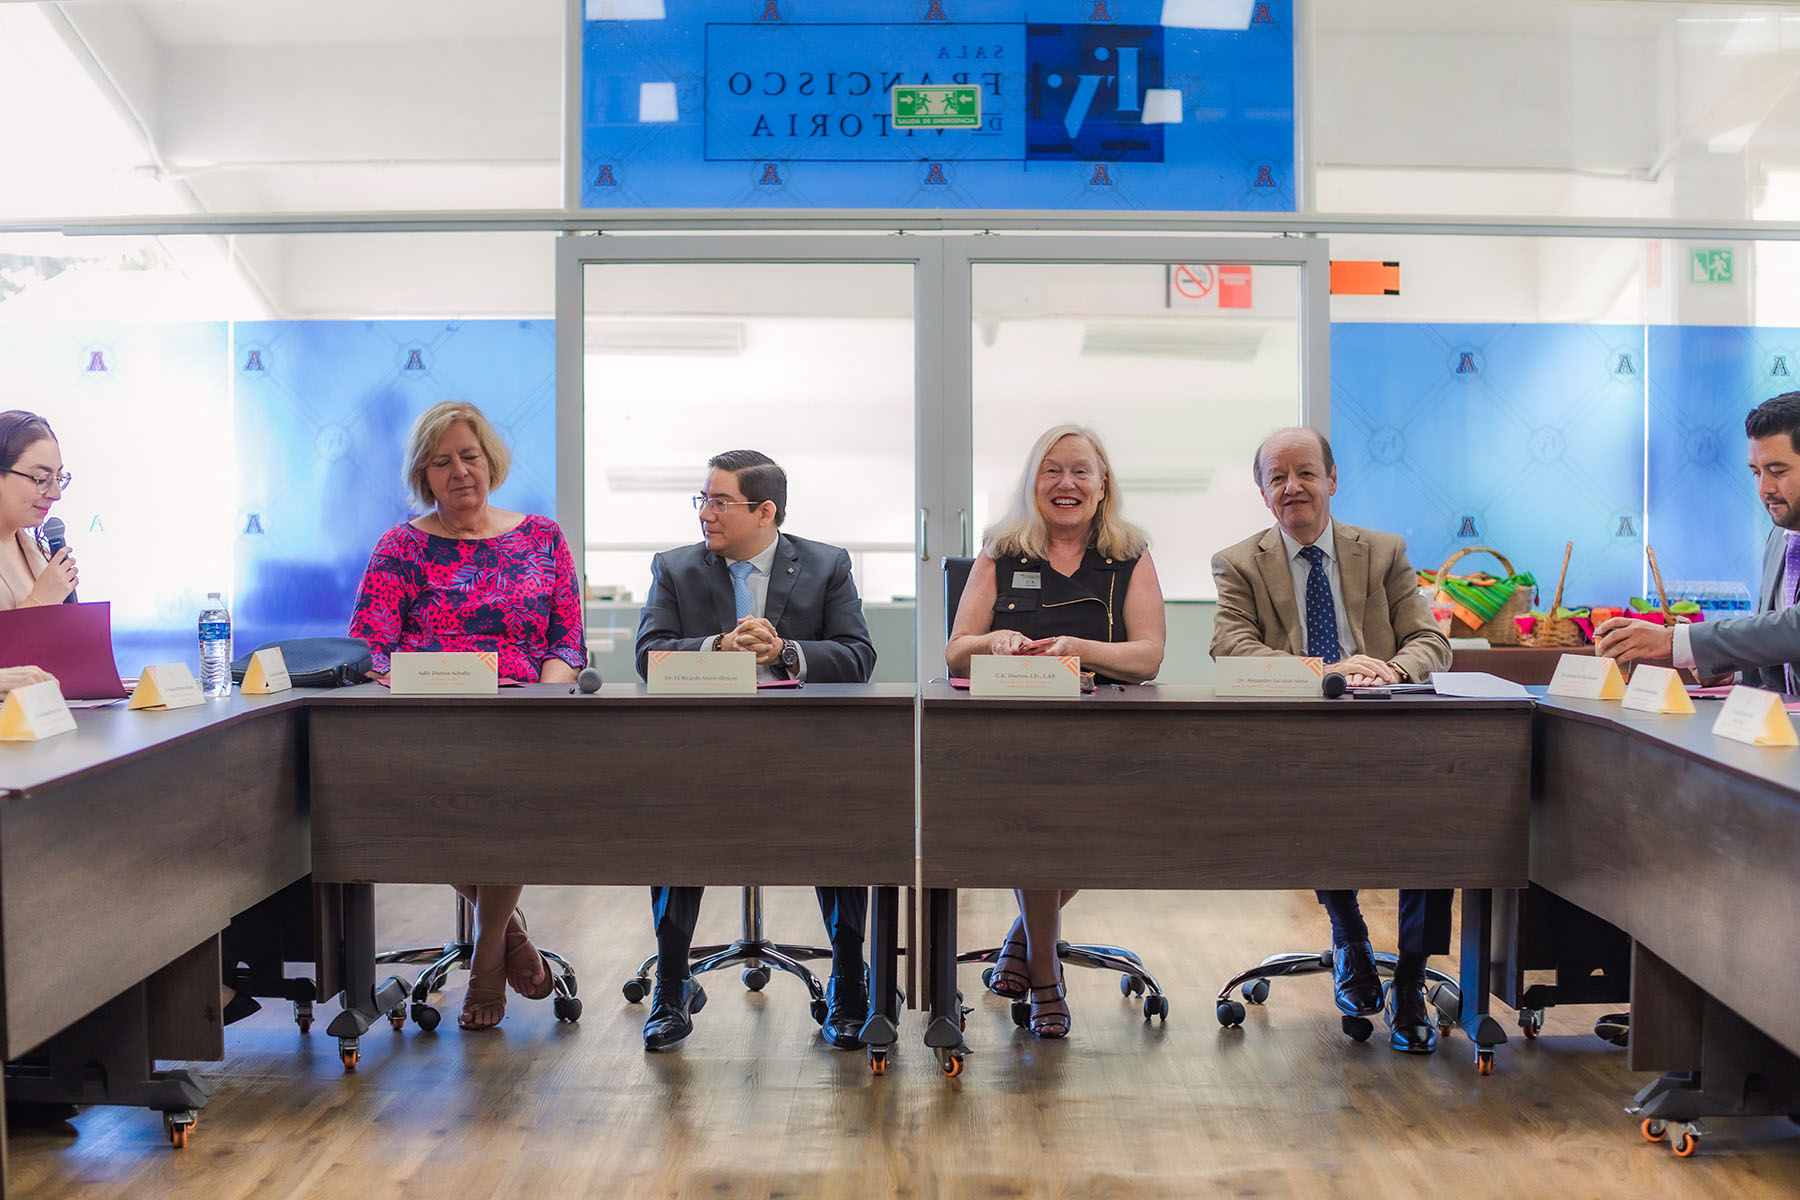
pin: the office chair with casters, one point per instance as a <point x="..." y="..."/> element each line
<point x="1253" y="986"/>
<point x="754" y="951"/>
<point x="1134" y="978"/>
<point x="455" y="955"/>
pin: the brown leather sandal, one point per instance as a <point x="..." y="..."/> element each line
<point x="527" y="970"/>
<point x="484" y="1004"/>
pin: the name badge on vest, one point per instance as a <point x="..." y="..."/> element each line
<point x="1028" y="579"/>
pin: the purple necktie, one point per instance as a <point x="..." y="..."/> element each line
<point x="1790" y="568"/>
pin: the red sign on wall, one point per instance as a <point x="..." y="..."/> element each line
<point x="1234" y="287"/>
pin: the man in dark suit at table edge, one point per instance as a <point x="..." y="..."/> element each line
<point x="1313" y="586"/>
<point x="748" y="586"/>
<point x="1764" y="647"/>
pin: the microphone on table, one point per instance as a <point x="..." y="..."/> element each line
<point x="1333" y="685"/>
<point x="53" y="537"/>
<point x="588" y="682"/>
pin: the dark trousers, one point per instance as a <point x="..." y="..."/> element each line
<point x="1424" y="918"/>
<point x="675" y="910"/>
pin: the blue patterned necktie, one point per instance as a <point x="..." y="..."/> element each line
<point x="741" y="599"/>
<point x="1321" y="614"/>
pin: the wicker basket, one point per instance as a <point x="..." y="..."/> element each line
<point x="1501" y="629"/>
<point x="1551" y="632"/>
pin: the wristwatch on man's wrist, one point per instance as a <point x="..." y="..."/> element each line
<point x="1402" y="672"/>
<point x="718" y="643"/>
<point x="790" y="659"/>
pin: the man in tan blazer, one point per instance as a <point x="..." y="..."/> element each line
<point x="1314" y="586"/>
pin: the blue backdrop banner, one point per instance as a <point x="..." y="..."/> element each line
<point x="1083" y="104"/>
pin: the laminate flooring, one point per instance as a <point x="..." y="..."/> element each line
<point x="755" y="1105"/>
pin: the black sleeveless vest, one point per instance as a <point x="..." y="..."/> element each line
<point x="1039" y="602"/>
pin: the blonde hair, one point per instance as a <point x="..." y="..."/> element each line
<point x="1022" y="529"/>
<point x="432" y="424"/>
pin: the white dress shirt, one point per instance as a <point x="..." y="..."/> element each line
<point x="1301" y="569"/>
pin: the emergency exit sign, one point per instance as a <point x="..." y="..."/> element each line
<point x="937" y="107"/>
<point x="1710" y="266"/>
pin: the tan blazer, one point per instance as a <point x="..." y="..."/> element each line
<point x="13" y="590"/>
<point x="1389" y="619"/>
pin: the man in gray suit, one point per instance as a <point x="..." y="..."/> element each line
<point x="748" y="586"/>
<point x="1765" y="647"/>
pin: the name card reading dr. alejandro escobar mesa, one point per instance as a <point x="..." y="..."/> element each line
<point x="999" y="676"/>
<point x="701" y="673"/>
<point x="1280" y="676"/>
<point x="444" y="673"/>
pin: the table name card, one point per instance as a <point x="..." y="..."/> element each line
<point x="266" y="674"/>
<point x="444" y="673"/>
<point x="35" y="711"/>
<point x="1754" y="717"/>
<point x="1283" y="676"/>
<point x="1587" y="677"/>
<point x="166" y="685"/>
<point x="1008" y="675"/>
<point x="701" y="673"/>
<point x="1657" y="690"/>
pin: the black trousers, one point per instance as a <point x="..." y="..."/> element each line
<point x="1424" y="917"/>
<point x="675" y="911"/>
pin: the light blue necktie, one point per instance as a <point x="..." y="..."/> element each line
<point x="1321" y="614"/>
<point x="741" y="599"/>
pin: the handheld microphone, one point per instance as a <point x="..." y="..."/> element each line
<point x="1333" y="685"/>
<point x="588" y="682"/>
<point x="53" y="537"/>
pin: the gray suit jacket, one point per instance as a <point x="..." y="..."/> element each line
<point x="1760" y="646"/>
<point x="1389" y="619"/>
<point x="812" y="601"/>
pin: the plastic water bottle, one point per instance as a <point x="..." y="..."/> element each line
<point x="215" y="647"/>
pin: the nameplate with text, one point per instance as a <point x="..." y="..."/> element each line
<point x="166" y="685"/>
<point x="1282" y="676"/>
<point x="1754" y="717"/>
<point x="1587" y="677"/>
<point x="266" y="674"/>
<point x="701" y="673"/>
<point x="35" y="711"/>
<point x="1657" y="690"/>
<point x="444" y="673"/>
<point x="998" y="676"/>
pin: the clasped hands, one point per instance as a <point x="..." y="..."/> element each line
<point x="1011" y="641"/>
<point x="1359" y="670"/>
<point x="757" y="636"/>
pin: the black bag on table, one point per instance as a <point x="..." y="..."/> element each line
<point x="316" y="661"/>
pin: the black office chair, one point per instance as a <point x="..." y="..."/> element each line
<point x="757" y="954"/>
<point x="1134" y="979"/>
<point x="1253" y="985"/>
<point x="455" y="955"/>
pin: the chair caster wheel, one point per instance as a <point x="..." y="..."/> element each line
<point x="819" y="1011"/>
<point x="1021" y="1014"/>
<point x="1653" y="1129"/>
<point x="987" y="979"/>
<point x="349" y="1053"/>
<point x="1685" y="1144"/>
<point x="756" y="978"/>
<point x="1230" y="1013"/>
<point x="426" y="1017"/>
<point x="1484" y="1062"/>
<point x="635" y="990"/>
<point x="1531" y="1022"/>
<point x="1130" y="985"/>
<point x="567" y="1008"/>
<point x="878" y="1063"/>
<point x="397" y="1019"/>
<point x="1256" y="991"/>
<point x="1156" y="1006"/>
<point x="1357" y="1029"/>
<point x="177" y="1125"/>
<point x="950" y="1062"/>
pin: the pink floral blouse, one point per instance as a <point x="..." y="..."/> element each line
<point x="514" y="594"/>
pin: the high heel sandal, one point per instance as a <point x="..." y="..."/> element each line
<point x="1002" y="980"/>
<point x="1046" y="1022"/>
<point x="484" y="1004"/>
<point x="527" y="970"/>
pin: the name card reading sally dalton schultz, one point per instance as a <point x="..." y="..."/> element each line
<point x="1274" y="675"/>
<point x="462" y="673"/>
<point x="1003" y="675"/>
<point x="701" y="673"/>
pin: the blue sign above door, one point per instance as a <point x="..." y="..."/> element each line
<point x="1085" y="104"/>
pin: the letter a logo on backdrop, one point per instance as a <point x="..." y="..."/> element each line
<point x="96" y="360"/>
<point x="1468" y="530"/>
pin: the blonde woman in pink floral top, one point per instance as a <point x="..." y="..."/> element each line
<point x="468" y="576"/>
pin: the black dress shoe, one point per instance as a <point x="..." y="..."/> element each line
<point x="1614" y="1028"/>
<point x="1354" y="981"/>
<point x="672" y="1009"/>
<point x="846" y="1010"/>
<point x="1413" y="1031"/>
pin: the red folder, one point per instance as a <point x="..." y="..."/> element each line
<point x="71" y="641"/>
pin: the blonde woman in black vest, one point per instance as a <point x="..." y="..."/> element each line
<point x="1062" y="573"/>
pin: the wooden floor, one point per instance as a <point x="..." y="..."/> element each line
<point x="755" y="1105"/>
